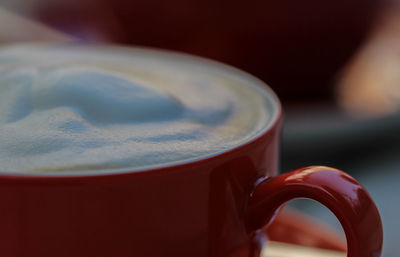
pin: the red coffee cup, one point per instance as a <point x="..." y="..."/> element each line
<point x="214" y="206"/>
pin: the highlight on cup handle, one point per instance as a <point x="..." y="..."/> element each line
<point x="336" y="190"/>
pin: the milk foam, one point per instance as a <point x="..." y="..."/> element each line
<point x="81" y="108"/>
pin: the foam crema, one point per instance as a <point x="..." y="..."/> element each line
<point x="83" y="108"/>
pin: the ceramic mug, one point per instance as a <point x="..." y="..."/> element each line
<point x="211" y="207"/>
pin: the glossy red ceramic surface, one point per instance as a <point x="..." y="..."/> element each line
<point x="206" y="208"/>
<point x="194" y="210"/>
<point x="342" y="194"/>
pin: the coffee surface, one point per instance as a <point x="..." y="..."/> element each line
<point x="82" y="108"/>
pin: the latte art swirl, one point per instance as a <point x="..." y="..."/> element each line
<point x="82" y="108"/>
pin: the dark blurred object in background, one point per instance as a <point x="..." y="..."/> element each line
<point x="295" y="46"/>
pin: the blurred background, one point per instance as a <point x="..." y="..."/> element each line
<point x="335" y="64"/>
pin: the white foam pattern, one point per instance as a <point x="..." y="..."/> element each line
<point x="82" y="108"/>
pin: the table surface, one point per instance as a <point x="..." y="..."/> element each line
<point x="276" y="249"/>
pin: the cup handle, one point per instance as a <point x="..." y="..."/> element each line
<point x="339" y="192"/>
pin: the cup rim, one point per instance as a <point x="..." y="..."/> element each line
<point x="272" y="99"/>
